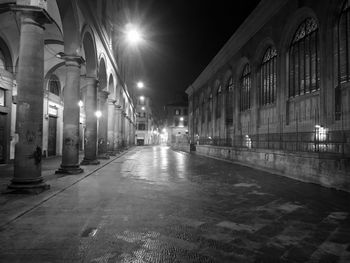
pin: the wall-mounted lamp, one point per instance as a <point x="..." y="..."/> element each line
<point x="98" y="114"/>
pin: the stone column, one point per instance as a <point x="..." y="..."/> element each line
<point x="111" y="127"/>
<point x="29" y="116"/>
<point x="117" y="125"/>
<point x="90" y="149"/>
<point x="71" y="118"/>
<point x="122" y="129"/>
<point x="103" y="125"/>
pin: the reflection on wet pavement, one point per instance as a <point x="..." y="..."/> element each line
<point x="157" y="205"/>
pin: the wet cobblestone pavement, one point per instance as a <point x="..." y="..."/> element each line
<point x="156" y="205"/>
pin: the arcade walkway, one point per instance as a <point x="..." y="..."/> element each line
<point x="152" y="204"/>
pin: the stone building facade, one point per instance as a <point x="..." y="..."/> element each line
<point x="61" y="90"/>
<point x="147" y="132"/>
<point x="277" y="95"/>
<point x="177" y="122"/>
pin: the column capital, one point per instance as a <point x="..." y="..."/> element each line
<point x="103" y="94"/>
<point x="111" y="101"/>
<point x="40" y="14"/>
<point x="72" y="60"/>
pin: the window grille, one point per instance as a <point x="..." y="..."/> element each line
<point x="229" y="101"/>
<point x="304" y="59"/>
<point x="267" y="92"/>
<point x="218" y="102"/>
<point x="54" y="85"/>
<point x="245" y="88"/>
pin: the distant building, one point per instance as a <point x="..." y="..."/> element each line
<point x="277" y="94"/>
<point x="147" y="132"/>
<point x="177" y="122"/>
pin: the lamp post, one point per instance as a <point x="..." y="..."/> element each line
<point x="130" y="36"/>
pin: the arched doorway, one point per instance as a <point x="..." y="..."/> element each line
<point x="5" y="101"/>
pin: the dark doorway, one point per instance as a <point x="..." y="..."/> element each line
<point x="51" y="151"/>
<point x="3" y="118"/>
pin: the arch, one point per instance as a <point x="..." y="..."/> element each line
<point x="2" y="60"/>
<point x="5" y="57"/>
<point x="291" y="27"/>
<point x="102" y="74"/>
<point x="226" y="77"/>
<point x="343" y="46"/>
<point x="111" y="87"/>
<point x="216" y="85"/>
<point x="261" y="50"/>
<point x="209" y="103"/>
<point x="50" y="72"/>
<point x="267" y="87"/>
<point x="303" y="53"/>
<point x="54" y="85"/>
<point x="70" y="24"/>
<point x="240" y="65"/>
<point x="118" y="93"/>
<point x="218" y="98"/>
<point x="209" y="91"/>
<point x="89" y="52"/>
<point x="245" y="88"/>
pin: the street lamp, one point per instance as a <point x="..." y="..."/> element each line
<point x="133" y="34"/>
<point x="98" y="114"/>
<point x="131" y="37"/>
<point x="140" y="85"/>
<point x="80" y="103"/>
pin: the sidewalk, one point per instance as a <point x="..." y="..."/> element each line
<point x="12" y="206"/>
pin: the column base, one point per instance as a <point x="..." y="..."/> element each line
<point x="89" y="162"/>
<point x="112" y="153"/>
<point x="103" y="156"/>
<point x="192" y="147"/>
<point x="69" y="170"/>
<point x="27" y="187"/>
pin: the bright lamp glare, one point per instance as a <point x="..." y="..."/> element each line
<point x="142" y="98"/>
<point x="98" y="114"/>
<point x="140" y="85"/>
<point x="133" y="34"/>
<point x="80" y="103"/>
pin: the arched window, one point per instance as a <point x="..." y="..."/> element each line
<point x="229" y="101"/>
<point x="210" y="106"/>
<point x="304" y="59"/>
<point x="267" y="92"/>
<point x="54" y="85"/>
<point x="343" y="43"/>
<point x="245" y="82"/>
<point x="2" y="61"/>
<point x="343" y="56"/>
<point x="218" y="102"/>
<point x="203" y="109"/>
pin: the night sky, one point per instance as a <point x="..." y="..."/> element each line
<point x="182" y="37"/>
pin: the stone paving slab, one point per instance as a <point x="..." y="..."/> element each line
<point x="13" y="206"/>
<point x="157" y="205"/>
